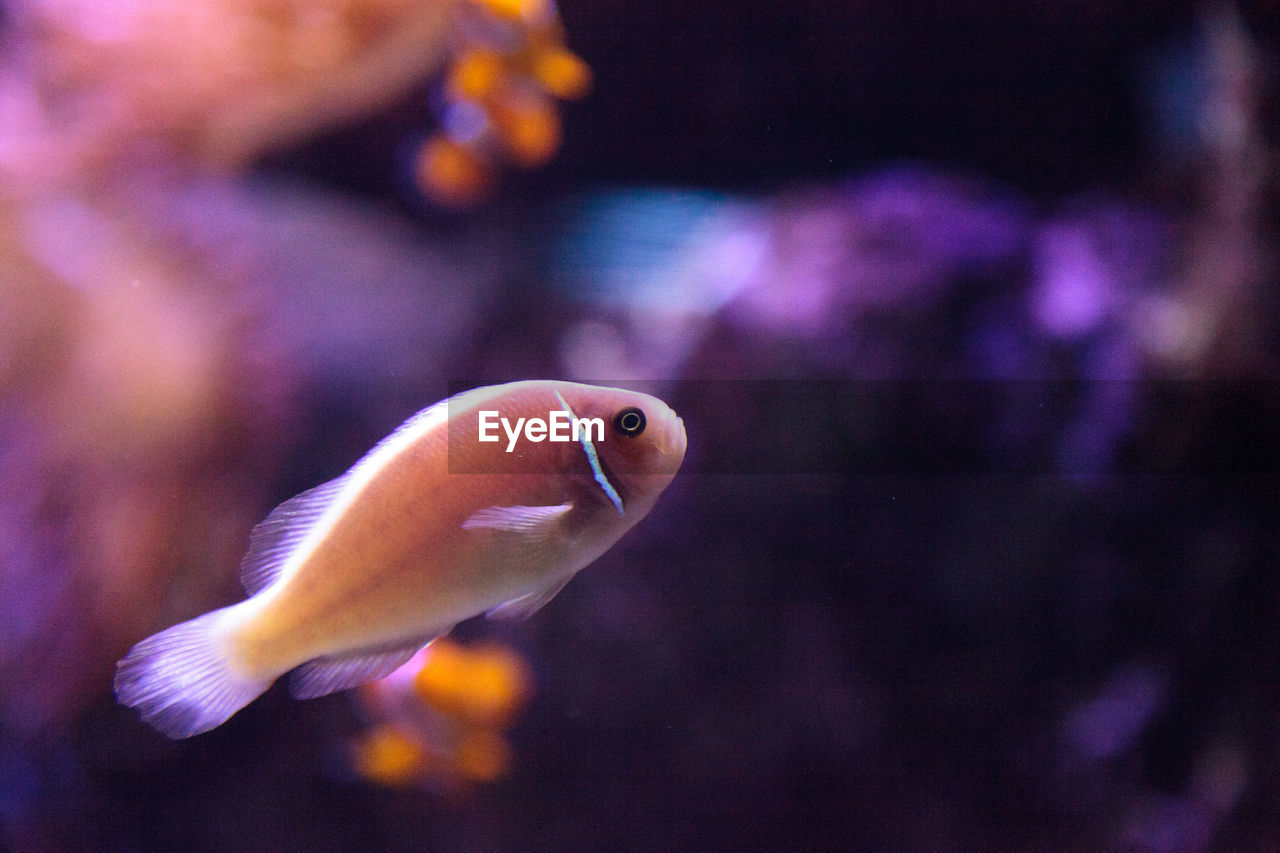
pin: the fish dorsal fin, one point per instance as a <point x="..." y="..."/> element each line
<point x="527" y="605"/>
<point x="417" y="425"/>
<point x="280" y="533"/>
<point x="326" y="675"/>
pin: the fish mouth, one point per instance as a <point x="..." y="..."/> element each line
<point x="675" y="441"/>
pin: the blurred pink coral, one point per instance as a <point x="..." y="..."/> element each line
<point x="154" y="340"/>
<point x="215" y="81"/>
<point x="87" y="89"/>
<point x="154" y="323"/>
<point x="140" y="414"/>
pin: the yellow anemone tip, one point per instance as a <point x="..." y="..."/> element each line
<point x="485" y="685"/>
<point x="530" y="10"/>
<point x="530" y="131"/>
<point x="452" y="174"/>
<point x="562" y="73"/>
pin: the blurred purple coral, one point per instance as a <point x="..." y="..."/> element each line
<point x="1111" y="723"/>
<point x="820" y="270"/>
<point x="890" y="243"/>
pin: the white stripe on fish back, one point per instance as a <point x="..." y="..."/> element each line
<point x="361" y="474"/>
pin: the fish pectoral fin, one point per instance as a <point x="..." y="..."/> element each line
<point x="532" y="543"/>
<point x="326" y="675"/>
<point x="536" y="522"/>
<point x="523" y="538"/>
<point x="527" y="605"/>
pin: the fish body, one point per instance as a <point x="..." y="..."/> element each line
<point x="438" y="523"/>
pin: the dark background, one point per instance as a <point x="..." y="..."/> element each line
<point x="1048" y="96"/>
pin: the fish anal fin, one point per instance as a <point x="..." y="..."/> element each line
<point x="330" y="674"/>
<point x="526" y="605"/>
<point x="279" y="534"/>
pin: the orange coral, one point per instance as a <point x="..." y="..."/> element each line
<point x="388" y="756"/>
<point x="452" y="174"/>
<point x="504" y="86"/>
<point x="442" y="716"/>
<point x="477" y="73"/>
<point x="483" y="685"/>
<point x="530" y="130"/>
<point x="483" y="755"/>
<point x="562" y="73"/>
<point x="527" y="9"/>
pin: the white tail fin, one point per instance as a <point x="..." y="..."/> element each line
<point x="181" y="680"/>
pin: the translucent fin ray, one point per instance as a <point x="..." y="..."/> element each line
<point x="532" y="521"/>
<point x="522" y="537"/>
<point x="182" y="681"/>
<point x="280" y="533"/>
<point x="326" y="675"/>
<point x="526" y="605"/>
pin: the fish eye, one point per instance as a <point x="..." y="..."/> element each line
<point x="630" y="422"/>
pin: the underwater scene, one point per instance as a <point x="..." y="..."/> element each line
<point x="495" y="425"/>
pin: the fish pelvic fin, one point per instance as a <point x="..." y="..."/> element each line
<point x="519" y="609"/>
<point x="182" y="680"/>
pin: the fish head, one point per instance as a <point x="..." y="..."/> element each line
<point x="643" y="444"/>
